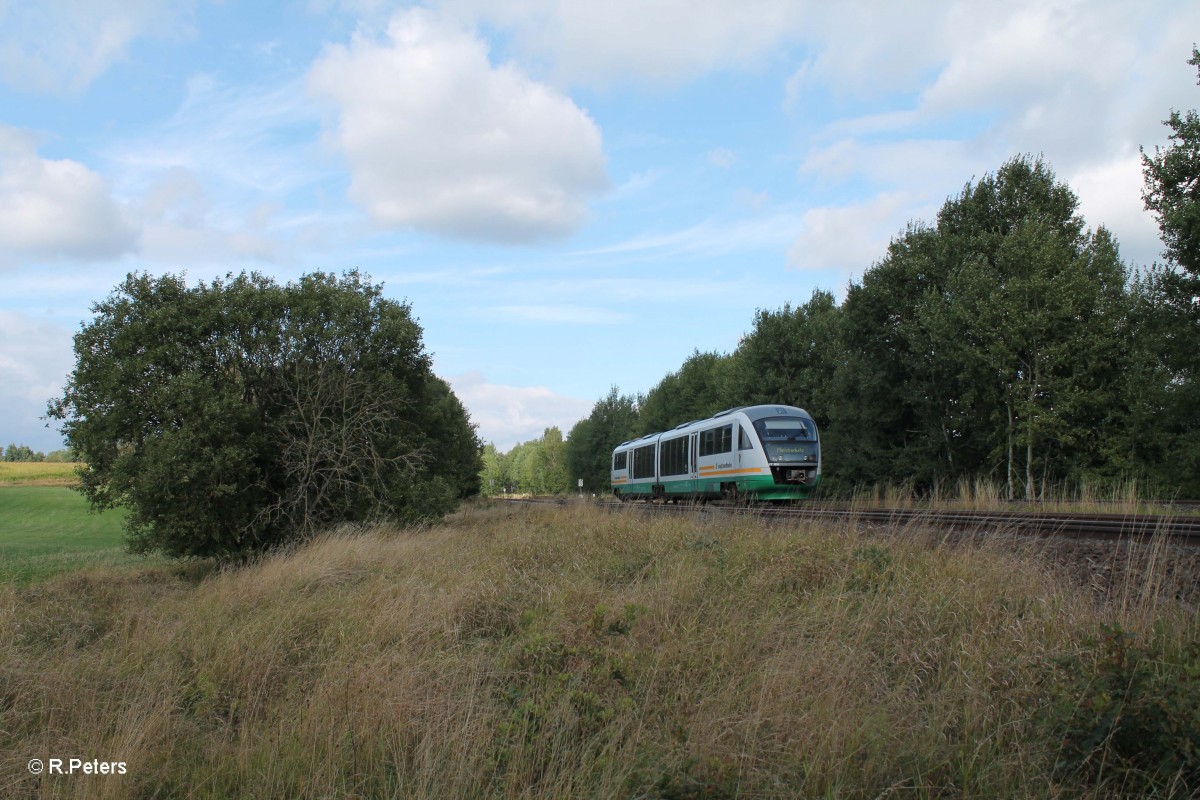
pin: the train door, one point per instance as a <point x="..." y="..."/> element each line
<point x="693" y="465"/>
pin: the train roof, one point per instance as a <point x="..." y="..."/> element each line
<point x="753" y="413"/>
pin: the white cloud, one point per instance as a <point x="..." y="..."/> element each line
<point x="180" y="225"/>
<point x="706" y="239"/>
<point x="575" y="315"/>
<point x="439" y="139"/>
<point x="230" y="175"/>
<point x="1077" y="81"/>
<point x="256" y="142"/>
<point x="923" y="167"/>
<point x="658" y="40"/>
<point x="1004" y="57"/>
<point x="849" y="238"/>
<point x="722" y="157"/>
<point x="35" y="358"/>
<point x="61" y="46"/>
<point x="1110" y="195"/>
<point x="56" y="208"/>
<point x="507" y="415"/>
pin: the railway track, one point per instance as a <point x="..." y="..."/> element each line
<point x="1183" y="531"/>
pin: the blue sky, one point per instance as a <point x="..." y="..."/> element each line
<point x="571" y="195"/>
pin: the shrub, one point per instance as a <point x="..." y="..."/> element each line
<point x="235" y="416"/>
<point x="1128" y="716"/>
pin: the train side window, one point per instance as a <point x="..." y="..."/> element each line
<point x="725" y="445"/>
<point x="672" y="455"/>
<point x="744" y="440"/>
<point x="619" y="460"/>
<point x="643" y="462"/>
<point x="716" y="441"/>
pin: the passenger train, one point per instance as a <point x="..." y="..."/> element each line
<point x="753" y="452"/>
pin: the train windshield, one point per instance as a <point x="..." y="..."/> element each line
<point x="787" y="438"/>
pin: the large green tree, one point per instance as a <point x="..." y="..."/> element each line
<point x="989" y="342"/>
<point x="494" y="478"/>
<point x="591" y="441"/>
<point x="548" y="464"/>
<point x="1172" y="193"/>
<point x="1169" y="294"/>
<point x="700" y="388"/>
<point x="790" y="355"/>
<point x="21" y="452"/>
<point x="234" y="416"/>
<point x="889" y="430"/>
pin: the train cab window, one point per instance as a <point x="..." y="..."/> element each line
<point x="784" y="429"/>
<point x="716" y="441"/>
<point x="744" y="440"/>
<point x="620" y="460"/>
<point x="788" y="439"/>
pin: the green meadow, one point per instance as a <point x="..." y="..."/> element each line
<point x="46" y="530"/>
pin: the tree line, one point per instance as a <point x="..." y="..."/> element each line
<point x="538" y="466"/>
<point x="1004" y="340"/>
<point x="23" y="452"/>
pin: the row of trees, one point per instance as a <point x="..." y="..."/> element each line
<point x="1003" y="340"/>
<point x="534" y="467"/>
<point x="22" y="452"/>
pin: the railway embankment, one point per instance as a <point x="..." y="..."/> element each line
<point x="577" y="651"/>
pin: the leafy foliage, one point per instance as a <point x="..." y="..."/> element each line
<point x="21" y="452"/>
<point x="1000" y="314"/>
<point x="238" y="415"/>
<point x="535" y="467"/>
<point x="699" y="389"/>
<point x="1003" y="340"/>
<point x="1169" y="301"/>
<point x="591" y="441"/>
<point x="1173" y="189"/>
<point x="1128" y="716"/>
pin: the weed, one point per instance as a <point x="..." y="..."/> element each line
<point x="1126" y="716"/>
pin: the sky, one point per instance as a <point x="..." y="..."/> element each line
<point x="571" y="195"/>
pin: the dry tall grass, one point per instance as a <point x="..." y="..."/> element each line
<point x="574" y="652"/>
<point x="982" y="494"/>
<point x="38" y="473"/>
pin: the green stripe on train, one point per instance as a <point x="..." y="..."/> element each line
<point x="762" y="486"/>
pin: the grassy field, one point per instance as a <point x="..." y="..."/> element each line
<point x="582" y="653"/>
<point x="37" y="473"/>
<point x="46" y="530"/>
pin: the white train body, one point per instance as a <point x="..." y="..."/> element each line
<point x="766" y="452"/>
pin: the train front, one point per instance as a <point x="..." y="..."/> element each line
<point x="793" y="448"/>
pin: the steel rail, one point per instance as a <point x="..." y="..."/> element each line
<point x="1178" y="530"/>
<point x="1184" y="531"/>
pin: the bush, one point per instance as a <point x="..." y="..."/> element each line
<point x="239" y="415"/>
<point x="1127" y="716"/>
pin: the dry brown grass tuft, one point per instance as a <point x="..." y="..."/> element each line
<point x="568" y="652"/>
